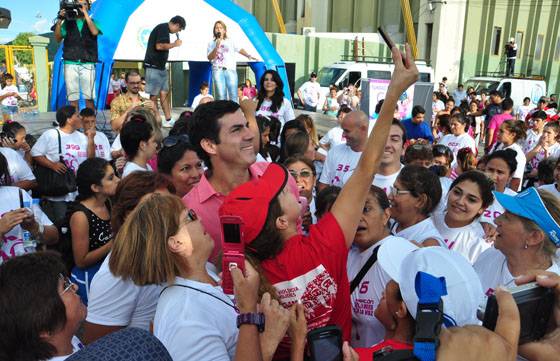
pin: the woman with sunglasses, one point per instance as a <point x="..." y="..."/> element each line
<point x="470" y="194"/>
<point x="415" y="194"/>
<point x="179" y="161"/>
<point x="41" y="312"/>
<point x="303" y="171"/>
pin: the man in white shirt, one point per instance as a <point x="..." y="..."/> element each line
<point x="335" y="135"/>
<point x="459" y="94"/>
<point x="309" y="93"/>
<point x="390" y="165"/>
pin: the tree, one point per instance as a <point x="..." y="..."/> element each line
<point x="21" y="56"/>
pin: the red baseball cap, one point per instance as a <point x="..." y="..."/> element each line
<point x="251" y="201"/>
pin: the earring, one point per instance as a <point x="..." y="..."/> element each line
<point x="526" y="245"/>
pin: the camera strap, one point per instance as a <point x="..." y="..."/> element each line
<point x="429" y="315"/>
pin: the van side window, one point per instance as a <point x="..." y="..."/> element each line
<point x="354" y="76"/>
<point x="379" y="74"/>
<point x="506" y="89"/>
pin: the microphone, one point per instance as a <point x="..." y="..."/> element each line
<point x="218" y="35"/>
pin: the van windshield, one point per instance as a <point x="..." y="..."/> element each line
<point x="480" y="85"/>
<point x="328" y="76"/>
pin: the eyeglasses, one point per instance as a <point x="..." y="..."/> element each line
<point x="303" y="174"/>
<point x="173" y="140"/>
<point x="394" y="191"/>
<point x="143" y="83"/>
<point x="66" y="283"/>
<point x="191" y="215"/>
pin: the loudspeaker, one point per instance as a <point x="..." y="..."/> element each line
<point x="5" y="18"/>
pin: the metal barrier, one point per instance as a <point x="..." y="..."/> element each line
<point x="20" y="62"/>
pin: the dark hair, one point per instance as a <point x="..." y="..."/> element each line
<point x="380" y="196"/>
<point x="31" y="305"/>
<point x="554" y="125"/>
<point x="132" y="73"/>
<point x="440" y="149"/>
<point x="132" y="133"/>
<point x="180" y="126"/>
<point x="400" y="125"/>
<point x="263" y="123"/>
<point x="485" y="185"/>
<point x="466" y="159"/>
<point x="12" y="128"/>
<point x="296" y="144"/>
<point x="290" y="124"/>
<point x="346" y="109"/>
<point x="418" y="152"/>
<point x="461" y="119"/>
<point x="460" y="86"/>
<point x="90" y="172"/>
<point x="526" y="98"/>
<point x="507" y="155"/>
<point x="450" y="99"/>
<point x="205" y="124"/>
<point x="64" y="113"/>
<point x="444" y="122"/>
<point x="203" y="85"/>
<point x="420" y="180"/>
<point x="540" y="114"/>
<point x="418" y="109"/>
<point x="507" y="104"/>
<point x="5" y="178"/>
<point x="8" y="76"/>
<point x="545" y="169"/>
<point x="179" y="20"/>
<point x="517" y="127"/>
<point x="300" y="158"/>
<point x="168" y="156"/>
<point x="131" y="189"/>
<point x="377" y="106"/>
<point x="278" y="96"/>
<point x="496" y="93"/>
<point x="87" y="112"/>
<point x="325" y="199"/>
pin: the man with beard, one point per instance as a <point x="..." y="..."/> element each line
<point x="124" y="103"/>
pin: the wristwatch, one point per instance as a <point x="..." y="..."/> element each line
<point x="254" y="318"/>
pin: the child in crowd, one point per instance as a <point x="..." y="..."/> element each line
<point x="139" y="144"/>
<point x="203" y="94"/>
<point x="9" y="96"/>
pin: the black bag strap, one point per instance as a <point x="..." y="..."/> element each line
<point x="365" y="268"/>
<point x="59" y="144"/>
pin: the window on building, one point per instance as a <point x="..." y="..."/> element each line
<point x="519" y="41"/>
<point x="539" y="46"/>
<point x="496" y="40"/>
<point x="557" y="50"/>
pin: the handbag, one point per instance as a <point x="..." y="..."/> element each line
<point x="51" y="183"/>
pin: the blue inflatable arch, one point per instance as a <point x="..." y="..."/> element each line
<point x="113" y="15"/>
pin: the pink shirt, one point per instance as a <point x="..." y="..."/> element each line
<point x="495" y="124"/>
<point x="206" y="202"/>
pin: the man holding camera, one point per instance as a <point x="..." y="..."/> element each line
<point x="157" y="52"/>
<point x="511" y="54"/>
<point x="79" y="32"/>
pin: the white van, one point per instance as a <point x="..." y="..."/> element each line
<point x="343" y="73"/>
<point x="515" y="88"/>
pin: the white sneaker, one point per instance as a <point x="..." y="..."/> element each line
<point x="167" y="123"/>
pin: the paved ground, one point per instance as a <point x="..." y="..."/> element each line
<point x="37" y="123"/>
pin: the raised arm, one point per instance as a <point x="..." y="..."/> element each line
<point x="349" y="204"/>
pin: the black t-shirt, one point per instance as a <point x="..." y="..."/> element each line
<point x="157" y="58"/>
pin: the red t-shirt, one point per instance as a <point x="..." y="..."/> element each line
<point x="366" y="354"/>
<point x="313" y="269"/>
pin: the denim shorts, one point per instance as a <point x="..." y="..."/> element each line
<point x="156" y="81"/>
<point x="9" y="109"/>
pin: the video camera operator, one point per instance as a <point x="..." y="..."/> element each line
<point x="79" y="32"/>
<point x="511" y="54"/>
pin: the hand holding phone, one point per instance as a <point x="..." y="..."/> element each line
<point x="325" y="343"/>
<point x="233" y="250"/>
<point x="390" y="43"/>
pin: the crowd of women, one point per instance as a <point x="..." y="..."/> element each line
<point x="113" y="253"/>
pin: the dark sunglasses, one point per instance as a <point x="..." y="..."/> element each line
<point x="173" y="140"/>
<point x="191" y="215"/>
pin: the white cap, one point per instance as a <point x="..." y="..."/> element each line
<point x="402" y="261"/>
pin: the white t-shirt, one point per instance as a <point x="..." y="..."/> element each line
<point x="12" y="242"/>
<point x="521" y="161"/>
<point x="551" y="188"/>
<point x="196" y="321"/>
<point x="12" y="100"/>
<point x="492" y="269"/>
<point x="131" y="167"/>
<point x="553" y="152"/>
<point x="340" y="159"/>
<point x="117" y="302"/>
<point x="76" y="346"/>
<point x="102" y="146"/>
<point x="458" y="142"/>
<point x="74" y="152"/>
<point x="225" y="58"/>
<point x="445" y="185"/>
<point x="366" y="328"/>
<point x="436" y="107"/>
<point x="419" y="232"/>
<point x="523" y="111"/>
<point x="495" y="209"/>
<point x="284" y="114"/>
<point x="116" y="146"/>
<point x="333" y="137"/>
<point x="468" y="240"/>
<point x="17" y="166"/>
<point x="531" y="140"/>
<point x="197" y="99"/>
<point x="385" y="182"/>
<point x="310" y="91"/>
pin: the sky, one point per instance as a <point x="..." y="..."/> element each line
<point x="28" y="15"/>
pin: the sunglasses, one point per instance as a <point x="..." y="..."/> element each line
<point x="66" y="283"/>
<point x="173" y="140"/>
<point x="303" y="174"/>
<point x="191" y="215"/>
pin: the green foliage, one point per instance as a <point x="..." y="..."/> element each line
<point x="20" y="56"/>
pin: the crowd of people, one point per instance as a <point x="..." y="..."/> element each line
<point x="348" y="229"/>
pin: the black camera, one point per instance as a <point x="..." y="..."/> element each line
<point x="73" y="9"/>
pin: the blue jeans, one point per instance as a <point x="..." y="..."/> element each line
<point x="226" y="84"/>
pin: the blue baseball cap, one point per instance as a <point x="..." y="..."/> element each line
<point x="530" y="205"/>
